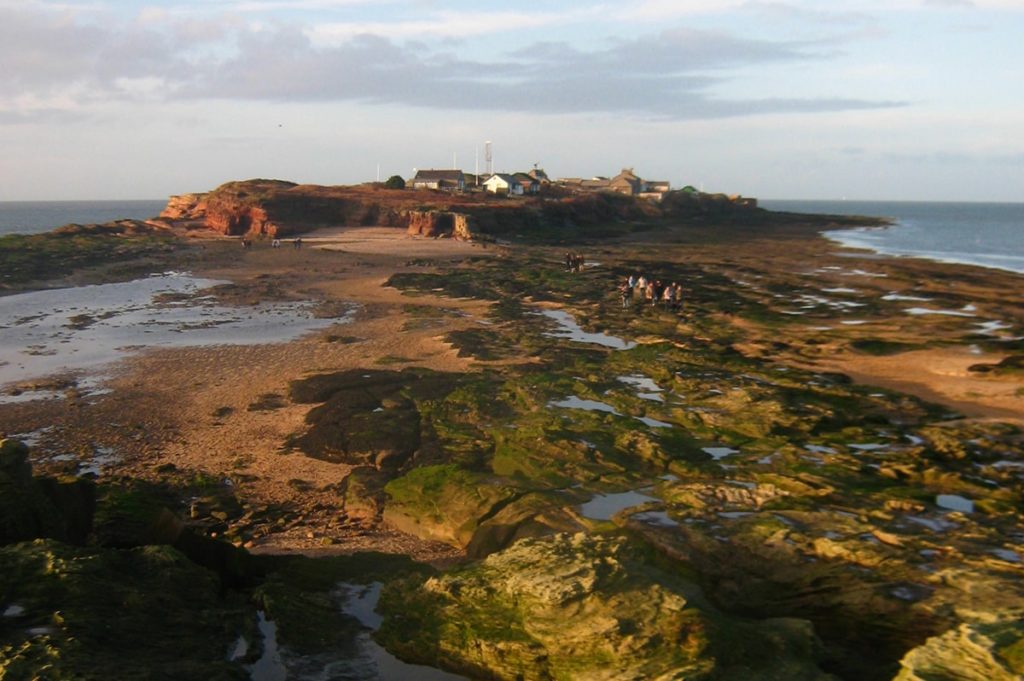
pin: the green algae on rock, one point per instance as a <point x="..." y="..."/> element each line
<point x="585" y="607"/>
<point x="979" y="652"/>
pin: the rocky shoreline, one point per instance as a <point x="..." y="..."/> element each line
<point x="712" y="497"/>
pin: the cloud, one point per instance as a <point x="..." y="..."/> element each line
<point x="49" y="52"/>
<point x="949" y="3"/>
<point x="37" y="116"/>
<point x="668" y="75"/>
<point x="665" y="75"/>
<point x="441" y="24"/>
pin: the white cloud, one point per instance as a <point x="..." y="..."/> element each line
<point x="656" y="10"/>
<point x="666" y="75"/>
<point x="443" y="24"/>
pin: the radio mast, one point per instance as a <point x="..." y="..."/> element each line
<point x="488" y="158"/>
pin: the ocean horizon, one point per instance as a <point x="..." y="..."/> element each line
<point x="985" y="234"/>
<point x="35" y="217"/>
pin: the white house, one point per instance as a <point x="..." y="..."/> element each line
<point x="503" y="183"/>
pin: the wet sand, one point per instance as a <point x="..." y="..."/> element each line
<point x="940" y="376"/>
<point x="194" y="407"/>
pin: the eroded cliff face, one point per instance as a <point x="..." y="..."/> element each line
<point x="185" y="207"/>
<point x="243" y="220"/>
<point x="276" y="208"/>
<point x="435" y="223"/>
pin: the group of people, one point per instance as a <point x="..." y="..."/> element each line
<point x="651" y="291"/>
<point x="574" y="262"/>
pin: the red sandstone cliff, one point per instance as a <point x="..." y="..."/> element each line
<point x="185" y="207"/>
<point x="437" y="223"/>
<point x="276" y="208"/>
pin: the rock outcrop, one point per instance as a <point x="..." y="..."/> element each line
<point x="585" y="607"/>
<point x="186" y="207"/>
<point x="40" y="507"/>
<point x="979" y="652"/>
<point x="435" y="223"/>
<point x="109" y="583"/>
<point x="95" y="613"/>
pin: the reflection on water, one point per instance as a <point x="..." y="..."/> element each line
<point x="604" y="506"/>
<point x="954" y="502"/>
<point x="720" y="452"/>
<point x="643" y="383"/>
<point x="72" y="329"/>
<point x="573" y="402"/>
<point x="568" y="328"/>
<point x="1007" y="555"/>
<point x="368" y="662"/>
<point x="269" y="667"/>
<point x="374" y="661"/>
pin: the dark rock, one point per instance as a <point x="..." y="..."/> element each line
<point x="31" y="508"/>
<point x="95" y="613"/>
<point x="14" y="461"/>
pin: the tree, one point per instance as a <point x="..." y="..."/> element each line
<point x="395" y="182"/>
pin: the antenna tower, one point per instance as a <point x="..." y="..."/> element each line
<point x="488" y="158"/>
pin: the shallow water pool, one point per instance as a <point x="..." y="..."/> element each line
<point x="568" y="328"/>
<point x="69" y="330"/>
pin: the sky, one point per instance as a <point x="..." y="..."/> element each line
<point x="800" y="99"/>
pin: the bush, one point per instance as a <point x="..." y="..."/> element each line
<point x="395" y="182"/>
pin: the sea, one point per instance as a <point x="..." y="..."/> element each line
<point x="34" y="217"/>
<point x="984" y="234"/>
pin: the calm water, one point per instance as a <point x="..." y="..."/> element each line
<point x="82" y="328"/>
<point x="985" y="234"/>
<point x="33" y="217"/>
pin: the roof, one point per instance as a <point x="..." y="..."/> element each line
<point x="504" y="177"/>
<point x="455" y="175"/>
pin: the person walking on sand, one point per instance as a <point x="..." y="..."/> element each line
<point x="649" y="292"/>
<point x="297" y="243"/>
<point x="626" y="292"/>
